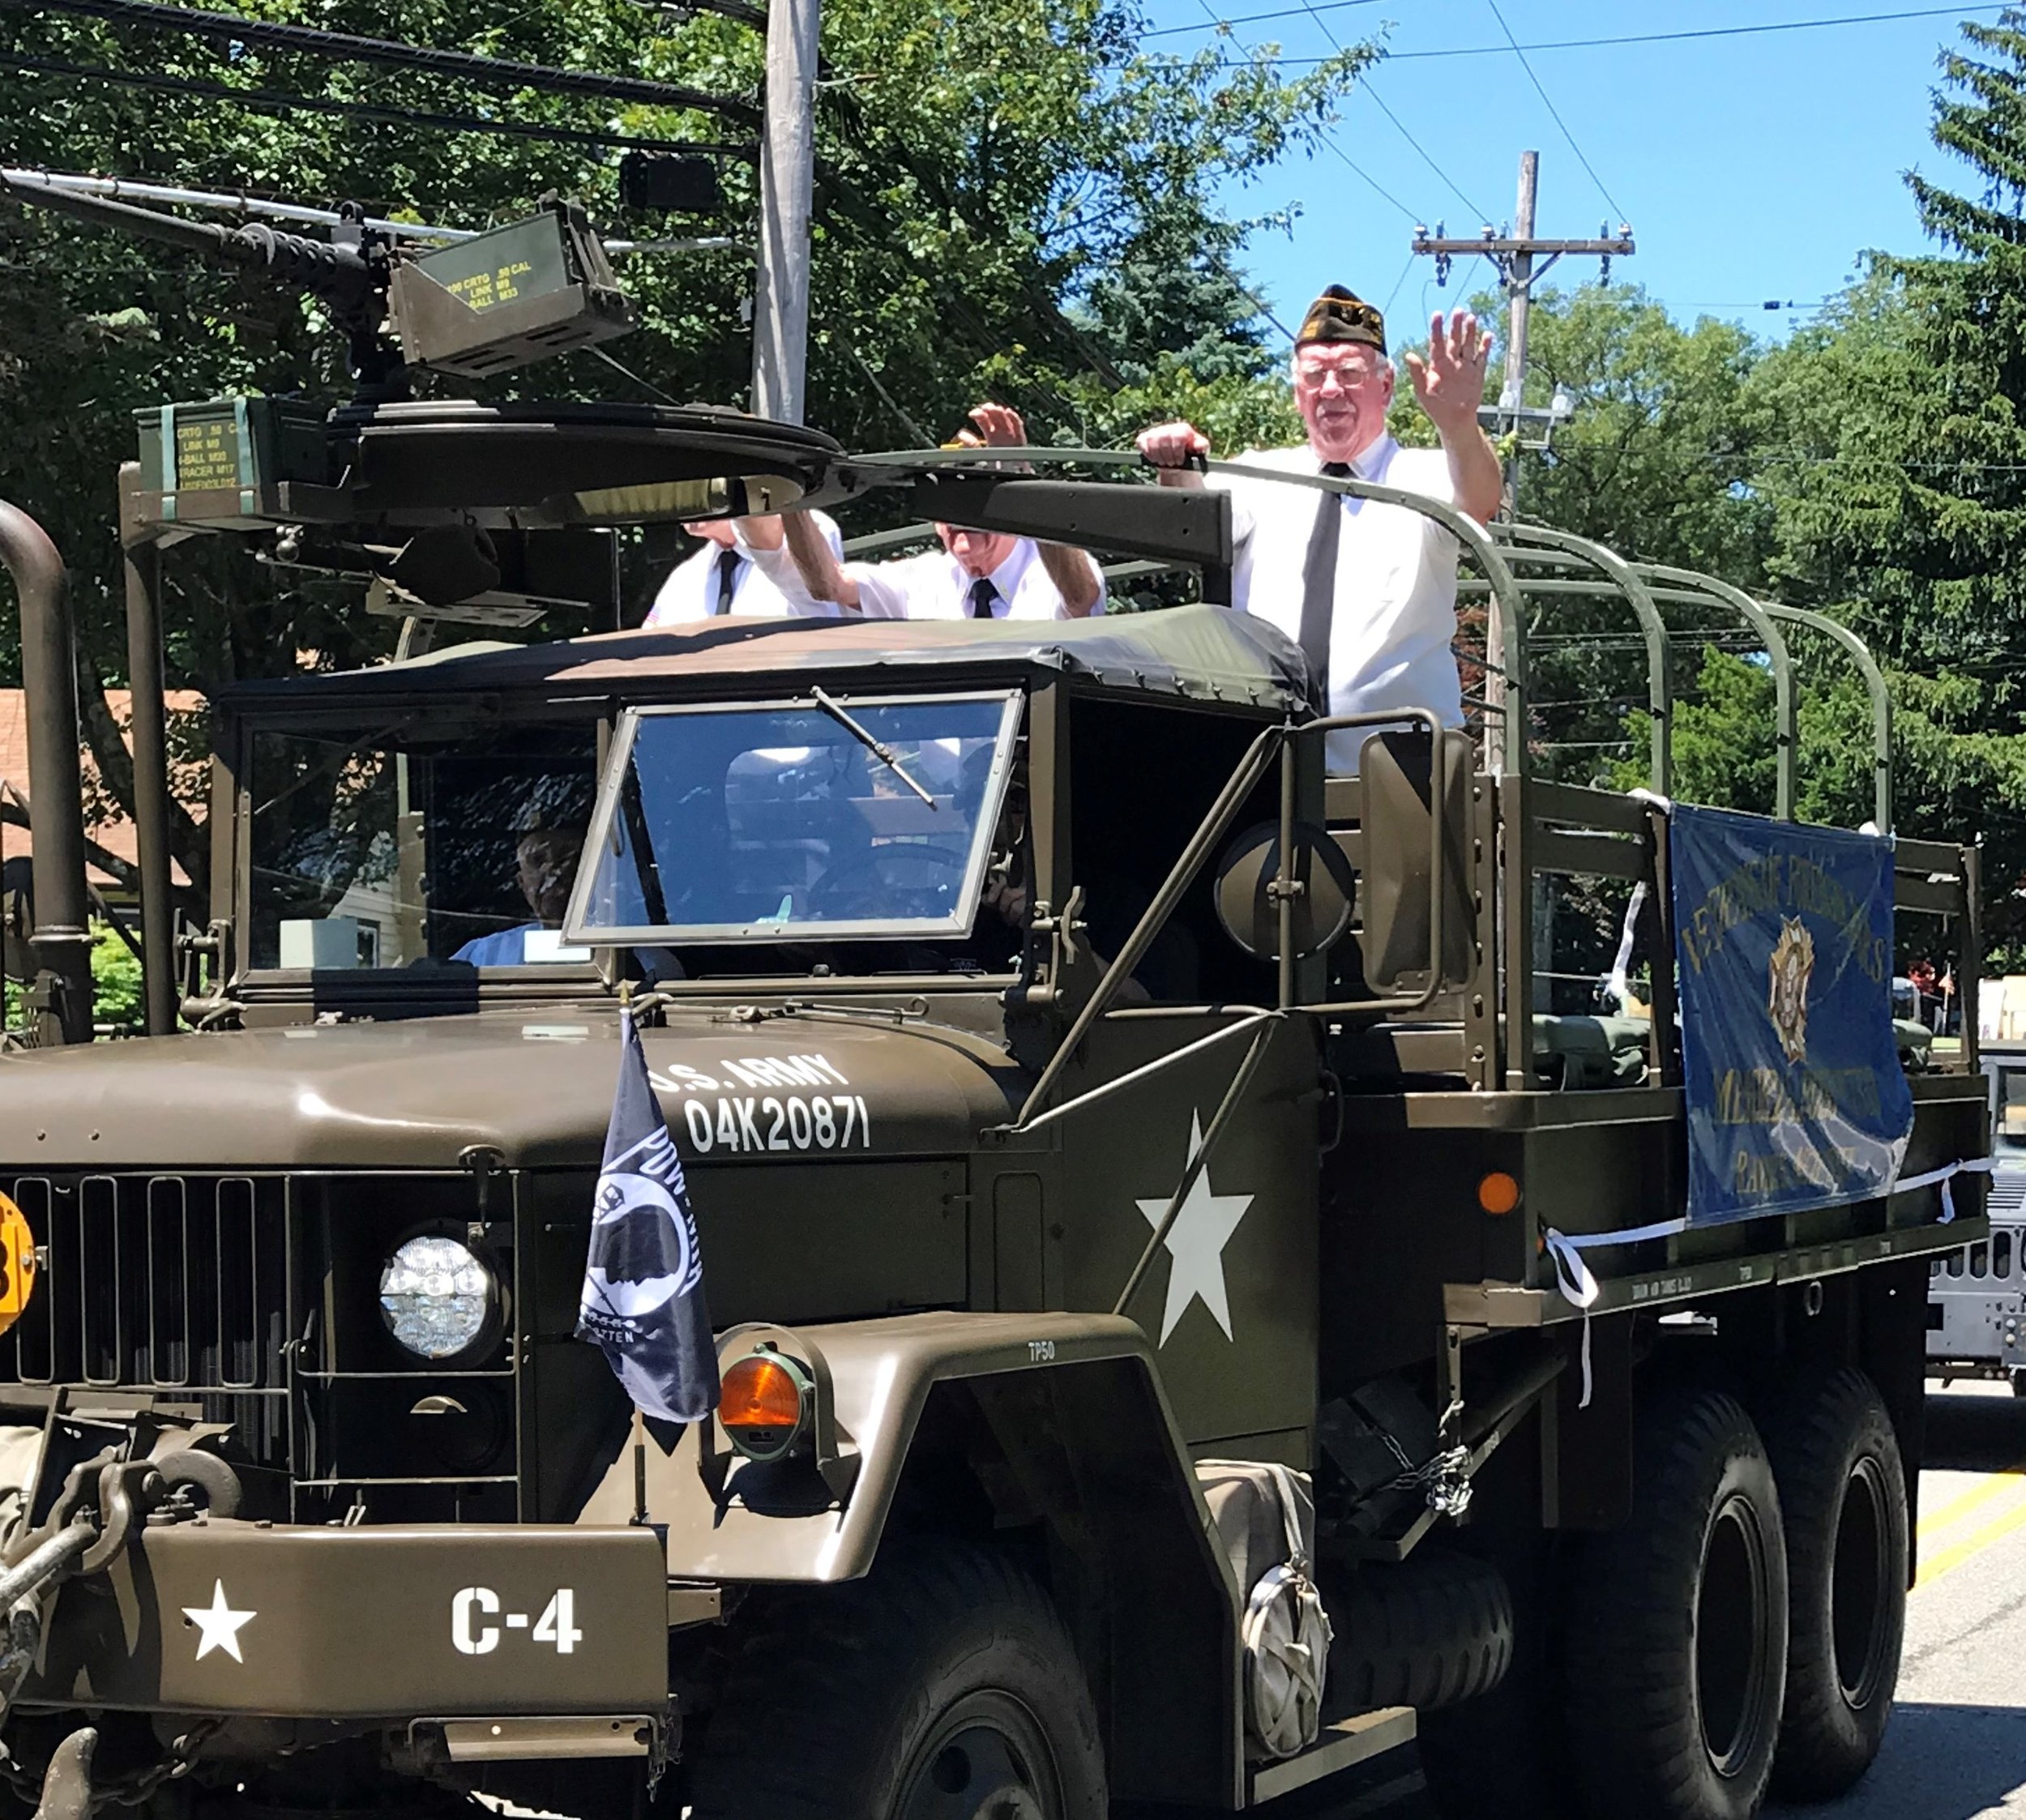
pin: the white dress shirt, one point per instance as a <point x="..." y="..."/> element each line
<point x="760" y="590"/>
<point x="1395" y="616"/>
<point x="936" y="586"/>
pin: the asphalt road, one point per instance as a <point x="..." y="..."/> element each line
<point x="1957" y="1748"/>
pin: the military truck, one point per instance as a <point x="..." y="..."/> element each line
<point x="1137" y="1192"/>
<point x="1976" y="1294"/>
<point x="1189" y="1319"/>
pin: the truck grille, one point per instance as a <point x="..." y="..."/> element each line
<point x="255" y="1299"/>
<point x="154" y="1283"/>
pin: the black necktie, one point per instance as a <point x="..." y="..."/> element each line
<point x="728" y="562"/>
<point x="981" y="593"/>
<point x="1318" y="583"/>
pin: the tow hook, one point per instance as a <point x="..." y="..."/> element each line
<point x="67" y="1787"/>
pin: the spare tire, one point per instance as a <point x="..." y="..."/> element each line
<point x="1425" y="1632"/>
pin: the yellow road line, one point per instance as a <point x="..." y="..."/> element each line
<point x="1936" y="1565"/>
<point x="1995" y="1484"/>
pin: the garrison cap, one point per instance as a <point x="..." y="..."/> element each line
<point x="1342" y="315"/>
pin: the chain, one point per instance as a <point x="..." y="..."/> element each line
<point x="132" y="1790"/>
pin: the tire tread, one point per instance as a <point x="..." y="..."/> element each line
<point x="807" y="1688"/>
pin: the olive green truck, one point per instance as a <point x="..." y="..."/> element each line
<point x="1177" y="1336"/>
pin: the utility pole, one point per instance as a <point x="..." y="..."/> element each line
<point x="1519" y="289"/>
<point x="1514" y="255"/>
<point x="787" y="151"/>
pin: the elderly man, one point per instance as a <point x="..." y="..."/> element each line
<point x="726" y="578"/>
<point x="1369" y="589"/>
<point x="976" y="574"/>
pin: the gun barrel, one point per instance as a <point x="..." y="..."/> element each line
<point x="195" y="236"/>
<point x="338" y="273"/>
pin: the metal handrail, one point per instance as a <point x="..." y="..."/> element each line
<point x="1875" y="686"/>
<point x="1510" y="629"/>
<point x="1660" y="670"/>
<point x="1786" y="739"/>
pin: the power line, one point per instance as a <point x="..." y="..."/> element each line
<point x="266" y="101"/>
<point x="1218" y="24"/>
<point x="1391" y="294"/>
<point x="1668" y="37"/>
<point x="1364" y="85"/>
<point x="1356" y="168"/>
<point x="1366" y="88"/>
<point x="346" y="47"/>
<point x="1548" y="103"/>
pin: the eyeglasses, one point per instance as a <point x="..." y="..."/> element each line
<point x="1347" y="373"/>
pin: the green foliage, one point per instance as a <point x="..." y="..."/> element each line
<point x="1013" y="199"/>
<point x="116" y="982"/>
<point x="1722" y="753"/>
<point x="1899" y="495"/>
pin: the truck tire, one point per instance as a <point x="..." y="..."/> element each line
<point x="1678" y="1625"/>
<point x="941" y="1687"/>
<point x="1433" y="1630"/>
<point x="1843" y="1495"/>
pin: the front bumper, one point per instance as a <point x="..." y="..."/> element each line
<point x="447" y="1622"/>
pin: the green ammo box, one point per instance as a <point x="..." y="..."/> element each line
<point x="232" y="444"/>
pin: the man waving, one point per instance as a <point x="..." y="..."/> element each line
<point x="1368" y="589"/>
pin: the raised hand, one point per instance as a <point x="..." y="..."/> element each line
<point x="998" y="426"/>
<point x="1449" y="383"/>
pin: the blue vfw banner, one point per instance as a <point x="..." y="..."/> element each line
<point x="1784" y="951"/>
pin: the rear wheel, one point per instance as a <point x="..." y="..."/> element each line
<point x="941" y="1687"/>
<point x="1842" y="1496"/>
<point x="1677" y="1636"/>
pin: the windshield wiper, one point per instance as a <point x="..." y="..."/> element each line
<point x="872" y="743"/>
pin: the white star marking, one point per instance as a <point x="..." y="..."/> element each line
<point x="220" y="1623"/>
<point x="1196" y="1243"/>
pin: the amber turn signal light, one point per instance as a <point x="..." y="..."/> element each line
<point x="1498" y="1193"/>
<point x="764" y="1403"/>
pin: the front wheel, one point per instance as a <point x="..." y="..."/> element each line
<point x="1678" y="1638"/>
<point x="941" y="1687"/>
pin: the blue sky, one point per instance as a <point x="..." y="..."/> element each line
<point x="1751" y="167"/>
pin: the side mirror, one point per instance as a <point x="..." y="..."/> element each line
<point x="1246" y="905"/>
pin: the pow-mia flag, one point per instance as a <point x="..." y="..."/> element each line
<point x="643" y="1302"/>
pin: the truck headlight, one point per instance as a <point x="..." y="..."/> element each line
<point x="436" y="1297"/>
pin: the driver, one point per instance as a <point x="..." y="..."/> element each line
<point x="546" y="869"/>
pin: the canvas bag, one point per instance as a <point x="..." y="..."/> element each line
<point x="1265" y="1517"/>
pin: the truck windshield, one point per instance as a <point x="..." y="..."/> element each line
<point x="855" y="817"/>
<point x="372" y="850"/>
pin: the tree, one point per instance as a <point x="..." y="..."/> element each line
<point x="1898" y="497"/>
<point x="1655" y="461"/>
<point x="1012" y="197"/>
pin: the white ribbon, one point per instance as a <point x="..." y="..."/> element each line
<point x="1969" y="1165"/>
<point x="1619" y="986"/>
<point x="1579" y="1285"/>
<point x="1581" y="1288"/>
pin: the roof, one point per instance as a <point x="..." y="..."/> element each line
<point x="1200" y="653"/>
<point x="116" y="834"/>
